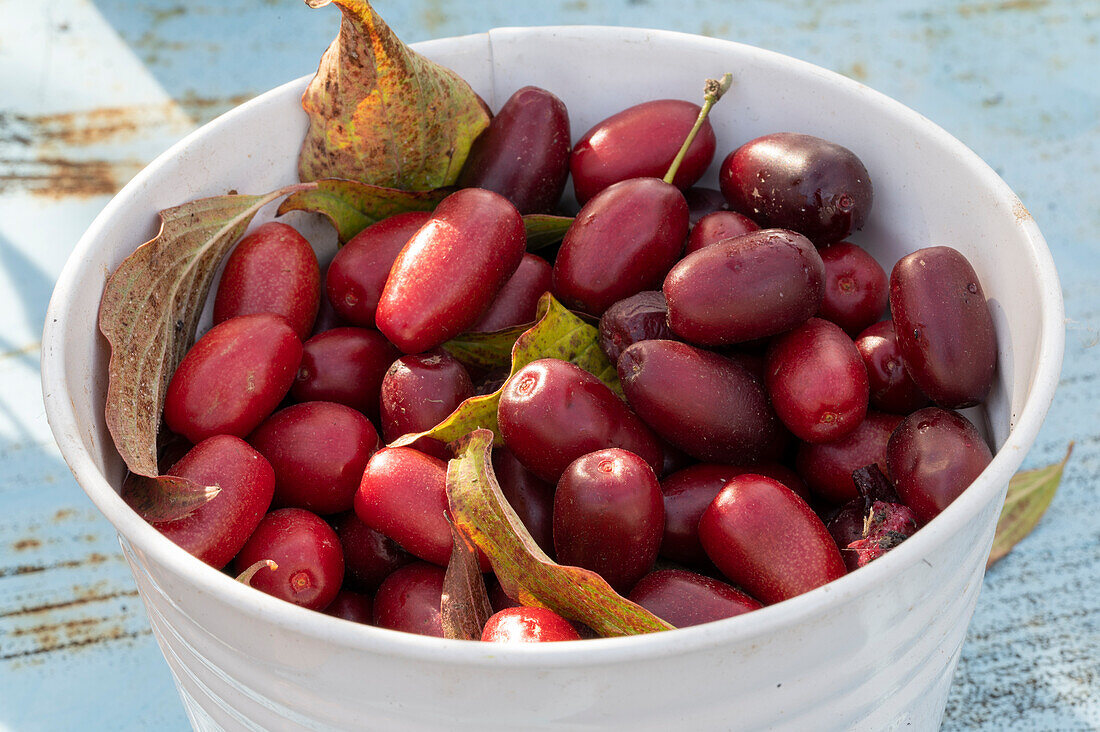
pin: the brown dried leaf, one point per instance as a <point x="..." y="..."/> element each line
<point x="150" y="307"/>
<point x="465" y="605"/>
<point x="1029" y="495"/>
<point x="383" y="114"/>
<point x="149" y="311"/>
<point x="523" y="569"/>
<point x="166" y="498"/>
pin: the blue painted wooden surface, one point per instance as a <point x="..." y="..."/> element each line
<point x="90" y="90"/>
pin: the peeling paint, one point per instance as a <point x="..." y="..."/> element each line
<point x="1021" y="213"/>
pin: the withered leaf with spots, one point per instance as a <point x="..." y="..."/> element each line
<point x="149" y="311"/>
<point x="382" y="114"/>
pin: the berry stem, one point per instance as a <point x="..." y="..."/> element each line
<point x="712" y="92"/>
<point x="247" y="575"/>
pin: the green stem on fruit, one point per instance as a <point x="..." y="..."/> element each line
<point x="712" y="92"/>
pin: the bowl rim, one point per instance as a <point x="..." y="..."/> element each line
<point x="135" y="532"/>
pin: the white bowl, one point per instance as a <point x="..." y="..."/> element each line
<point x="873" y="650"/>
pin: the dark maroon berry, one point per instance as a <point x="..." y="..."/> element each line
<point x="640" y="317"/>
<point x="517" y="302"/>
<point x="346" y="366"/>
<point x="609" y="517"/>
<point x="755" y="285"/>
<point x="798" y="182"/>
<point x="817" y="383"/>
<point x="369" y="557"/>
<point x="856" y="289"/>
<point x="943" y="326"/>
<point x="703" y="201"/>
<point x="892" y="388"/>
<point x="524" y="154"/>
<point x="703" y="403"/>
<point x="531" y="498"/>
<point x="411" y="599"/>
<point x="353" y="606"/>
<point x="717" y="226"/>
<point x="684" y="598"/>
<point x="934" y="455"/>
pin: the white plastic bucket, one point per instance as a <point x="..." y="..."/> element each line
<point x="874" y="650"/>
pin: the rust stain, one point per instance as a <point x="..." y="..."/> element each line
<point x="1021" y="213"/>
<point x="712" y="30"/>
<point x="71" y="128"/>
<point x="29" y="348"/>
<point x="203" y="109"/>
<point x="967" y="10"/>
<point x="59" y="177"/>
<point x="41" y="629"/>
<point x="68" y="625"/>
<point x="48" y="155"/>
<point x="64" y="513"/>
<point x="434" y="17"/>
<point x="84" y="598"/>
<point x="24" y="544"/>
<point x="857" y="71"/>
<point x="92" y="559"/>
<point x="57" y="644"/>
<point x="159" y="15"/>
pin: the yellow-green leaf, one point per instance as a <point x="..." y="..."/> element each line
<point x="525" y="572"/>
<point x="557" y="333"/>
<point x="383" y="114"/>
<point x="1029" y="495"/>
<point x="352" y="206"/>
<point x="488" y="350"/>
<point x="544" y="229"/>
